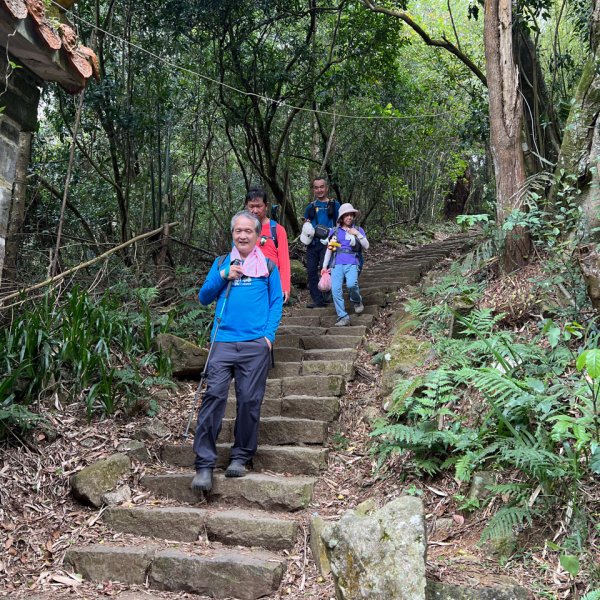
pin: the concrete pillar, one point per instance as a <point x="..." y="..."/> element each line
<point x="19" y="96"/>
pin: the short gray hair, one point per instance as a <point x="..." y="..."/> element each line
<point x="248" y="215"/>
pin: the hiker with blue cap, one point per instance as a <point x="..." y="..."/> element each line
<point x="344" y="259"/>
<point x="247" y="288"/>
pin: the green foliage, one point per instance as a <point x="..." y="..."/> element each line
<point x="505" y="521"/>
<point x="570" y="564"/>
<point x="81" y="348"/>
<point x="539" y="417"/>
<point x="472" y="220"/>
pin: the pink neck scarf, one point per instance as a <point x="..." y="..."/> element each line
<point x="255" y="264"/>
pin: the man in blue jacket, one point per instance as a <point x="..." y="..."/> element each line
<point x="249" y="316"/>
<point x="321" y="211"/>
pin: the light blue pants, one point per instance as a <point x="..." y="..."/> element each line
<point x="350" y="274"/>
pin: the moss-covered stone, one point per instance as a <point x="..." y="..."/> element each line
<point x="379" y="554"/>
<point x="93" y="481"/>
<point x="404" y="353"/>
<point x="299" y="276"/>
<point x="187" y="359"/>
<point x="403" y="322"/>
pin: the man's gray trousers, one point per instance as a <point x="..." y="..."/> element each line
<point x="247" y="362"/>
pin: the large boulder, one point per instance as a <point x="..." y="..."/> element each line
<point x="299" y="275"/>
<point x="379" y="554"/>
<point x="93" y="481"/>
<point x="187" y="359"/>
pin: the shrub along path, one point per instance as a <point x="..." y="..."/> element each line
<point x="250" y="525"/>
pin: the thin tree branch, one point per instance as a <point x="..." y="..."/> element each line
<point x="443" y="43"/>
<point x="48" y="186"/>
<point x="54" y="262"/>
<point x="88" y="263"/>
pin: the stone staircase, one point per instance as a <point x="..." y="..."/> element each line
<point x="233" y="543"/>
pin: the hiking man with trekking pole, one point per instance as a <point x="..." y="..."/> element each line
<point x="249" y="298"/>
<point x="273" y="240"/>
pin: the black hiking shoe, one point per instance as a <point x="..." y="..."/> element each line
<point x="202" y="480"/>
<point x="236" y="468"/>
<point x="315" y="305"/>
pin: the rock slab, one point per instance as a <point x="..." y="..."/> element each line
<point x="381" y="554"/>
<point x="187" y="359"/>
<point x="92" y="482"/>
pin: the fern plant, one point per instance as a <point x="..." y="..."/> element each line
<point x="539" y="419"/>
<point x="432" y="430"/>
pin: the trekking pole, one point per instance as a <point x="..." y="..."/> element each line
<point x="210" y="349"/>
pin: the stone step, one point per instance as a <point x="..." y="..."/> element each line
<point x="329" y="367"/>
<point x="314" y="385"/>
<point x="278" y="407"/>
<point x="331" y="354"/>
<point x="362" y="319"/>
<point x="378" y="293"/>
<point x="186" y="524"/>
<point x="280" y="431"/>
<point x="284" y="369"/>
<point x="347" y="330"/>
<point x="309" y="407"/>
<point x="297" y="385"/>
<point x="332" y="341"/>
<point x="271" y="407"/>
<point x="384" y="281"/>
<point x="287" y="340"/>
<point x="272" y="390"/>
<point x="371" y="294"/>
<point x="269" y="492"/>
<point x="295" y="460"/>
<point x="287" y="354"/>
<point x="219" y="574"/>
<point x="301" y="330"/>
<point x="313" y="320"/>
<point x="330" y="310"/>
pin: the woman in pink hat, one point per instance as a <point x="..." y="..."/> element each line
<point x="343" y="259"/>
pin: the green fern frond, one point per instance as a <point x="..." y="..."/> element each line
<point x="513" y="490"/>
<point x="400" y="434"/>
<point x="416" y="307"/>
<point x="542" y="464"/>
<point x="465" y="466"/>
<point x="503" y="523"/>
<point x="494" y="384"/>
<point x="593" y="595"/>
<point x="403" y="391"/>
<point x="431" y="466"/>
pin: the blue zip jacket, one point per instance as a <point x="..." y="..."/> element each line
<point x="253" y="309"/>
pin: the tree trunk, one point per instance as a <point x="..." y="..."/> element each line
<point x="580" y="150"/>
<point x="17" y="209"/>
<point x="506" y="117"/>
<point x="541" y="130"/>
<point x="455" y="201"/>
